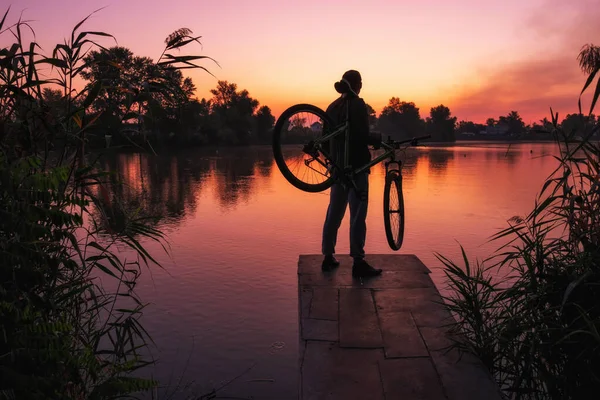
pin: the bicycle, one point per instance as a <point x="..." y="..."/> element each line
<point x="315" y="151"/>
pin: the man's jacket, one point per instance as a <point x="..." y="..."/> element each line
<point x="359" y="153"/>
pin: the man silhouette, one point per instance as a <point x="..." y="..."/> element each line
<point x="342" y="194"/>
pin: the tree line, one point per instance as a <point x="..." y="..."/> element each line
<point x="402" y="120"/>
<point x="232" y="116"/>
<point x="171" y="115"/>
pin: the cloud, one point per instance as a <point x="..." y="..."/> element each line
<point x="529" y="87"/>
<point x="541" y="79"/>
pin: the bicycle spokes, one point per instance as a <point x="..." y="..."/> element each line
<point x="394" y="207"/>
<point x="393" y="210"/>
<point x="321" y="163"/>
<point x="303" y="158"/>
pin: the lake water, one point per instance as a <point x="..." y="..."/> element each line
<point x="225" y="305"/>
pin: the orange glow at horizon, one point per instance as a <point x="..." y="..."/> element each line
<point x="481" y="59"/>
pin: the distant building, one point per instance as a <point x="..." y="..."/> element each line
<point x="316" y="127"/>
<point x="495" y="130"/>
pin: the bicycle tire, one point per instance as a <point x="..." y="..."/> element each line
<point x="278" y="151"/>
<point x="393" y="178"/>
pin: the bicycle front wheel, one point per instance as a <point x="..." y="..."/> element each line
<point x="393" y="210"/>
<point x="299" y="162"/>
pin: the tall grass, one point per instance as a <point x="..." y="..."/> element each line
<point x="70" y="316"/>
<point x="531" y="312"/>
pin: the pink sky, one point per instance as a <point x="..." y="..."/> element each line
<point x="480" y="58"/>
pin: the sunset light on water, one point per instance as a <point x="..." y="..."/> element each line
<point x="181" y="217"/>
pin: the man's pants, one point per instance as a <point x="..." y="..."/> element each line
<point x="340" y="196"/>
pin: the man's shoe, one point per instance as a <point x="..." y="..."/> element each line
<point x="361" y="269"/>
<point x="329" y="263"/>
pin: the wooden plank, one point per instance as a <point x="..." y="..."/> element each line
<point x="405" y="299"/>
<point x="424" y="304"/>
<point x="359" y="326"/>
<point x="329" y="279"/>
<point x="410" y="378"/>
<point x="319" y="329"/>
<point x="332" y="373"/>
<point x="306" y="294"/>
<point x="301" y="353"/>
<point x="462" y="376"/>
<point x="324" y="303"/>
<point x="349" y="326"/>
<point x="397" y="262"/>
<point x="387" y="280"/>
<point x="311" y="263"/>
<point x="399" y="280"/>
<point x="436" y="316"/>
<point x="401" y="337"/>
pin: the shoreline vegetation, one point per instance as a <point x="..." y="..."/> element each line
<point x="530" y="311"/>
<point x="148" y="105"/>
<point x="71" y="317"/>
<point x="72" y="324"/>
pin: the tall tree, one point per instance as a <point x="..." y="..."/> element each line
<point x="134" y="86"/>
<point x="441" y="125"/>
<point x="55" y="101"/>
<point x="264" y="123"/>
<point x="401" y="119"/>
<point x="235" y="112"/>
<point x="578" y="123"/>
<point x="469" y="127"/>
<point x="514" y="122"/>
<point x="122" y="75"/>
<point x="372" y="115"/>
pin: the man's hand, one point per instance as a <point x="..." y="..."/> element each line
<point x="375" y="139"/>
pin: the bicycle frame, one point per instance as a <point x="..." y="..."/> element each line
<point x="390" y="151"/>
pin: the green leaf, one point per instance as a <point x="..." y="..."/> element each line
<point x="572" y="286"/>
<point x="179" y="39"/>
<point x="84" y="34"/>
<point x="57" y="62"/>
<point x="68" y="51"/>
<point x="185" y="58"/>
<point x="97" y="246"/>
<point x="104" y="269"/>
<point x="81" y="23"/>
<point x="596" y="94"/>
<point x="94" y="90"/>
<point x="587" y="83"/>
<point x="31" y="67"/>
<point x="4" y="18"/>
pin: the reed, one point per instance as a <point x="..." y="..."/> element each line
<point x="531" y="311"/>
<point x="70" y="316"/>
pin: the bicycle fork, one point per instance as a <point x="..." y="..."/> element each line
<point x="388" y="169"/>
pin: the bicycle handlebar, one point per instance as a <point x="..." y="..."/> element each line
<point x="396" y="145"/>
<point x="412" y="141"/>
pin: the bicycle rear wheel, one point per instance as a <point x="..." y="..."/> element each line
<point x="393" y="210"/>
<point x="299" y="162"/>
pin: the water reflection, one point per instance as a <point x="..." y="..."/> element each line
<point x="163" y="188"/>
<point x="510" y="156"/>
<point x="230" y="290"/>
<point x="438" y="161"/>
<point x="170" y="186"/>
<point x="409" y="158"/>
<point x="167" y="187"/>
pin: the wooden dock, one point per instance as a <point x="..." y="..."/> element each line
<point x="380" y="338"/>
